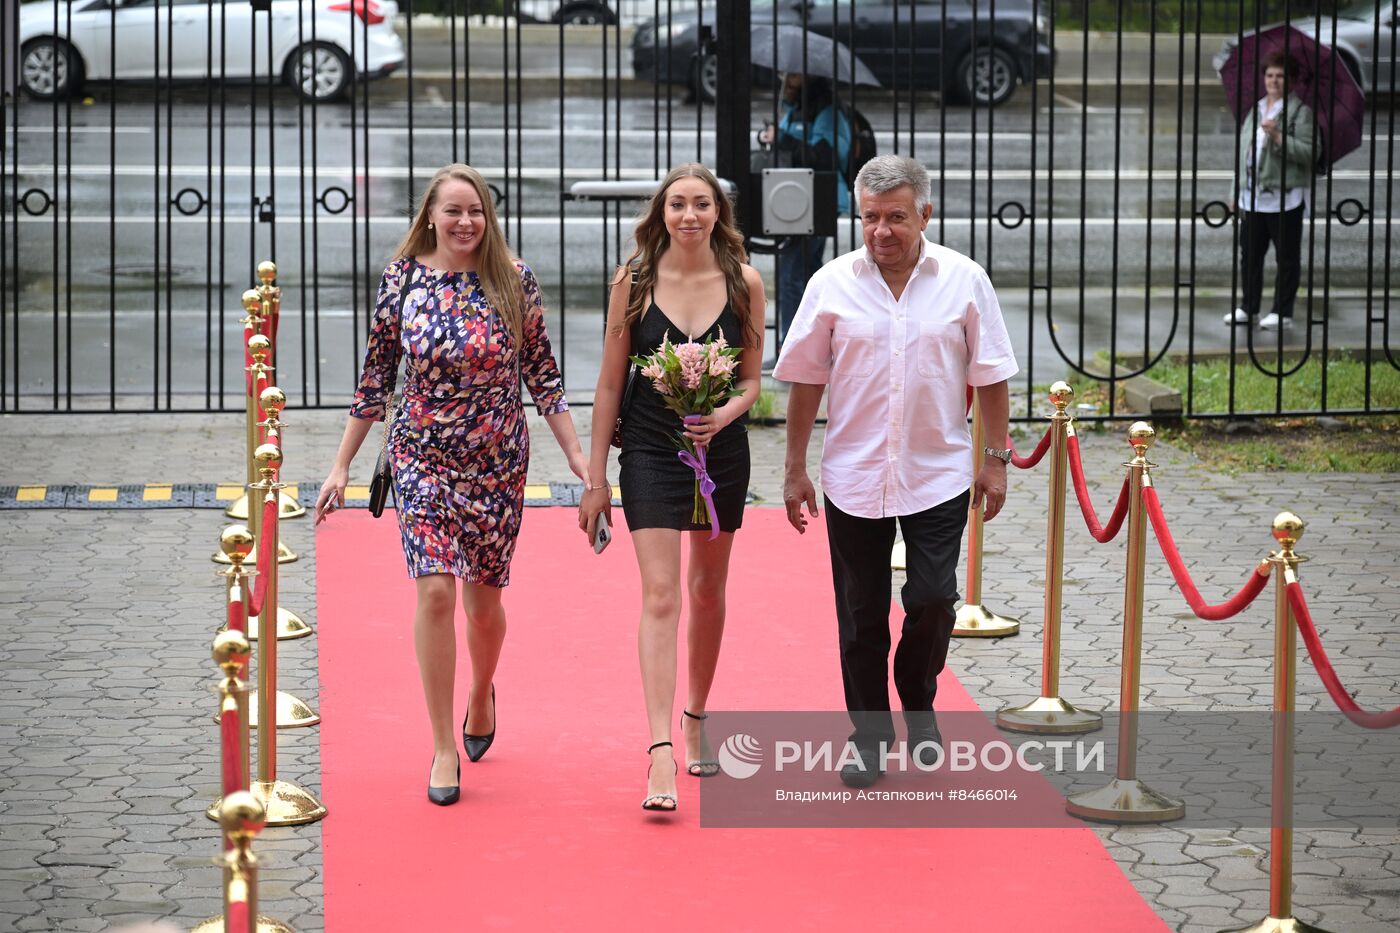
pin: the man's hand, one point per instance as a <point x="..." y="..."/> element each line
<point x="798" y="489"/>
<point x="989" y="489"/>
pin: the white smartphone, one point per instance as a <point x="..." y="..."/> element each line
<point x="602" y="534"/>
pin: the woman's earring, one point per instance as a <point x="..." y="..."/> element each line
<point x="430" y="226"/>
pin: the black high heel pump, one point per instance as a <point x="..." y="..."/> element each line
<point x="476" y="745"/>
<point x="445" y="796"/>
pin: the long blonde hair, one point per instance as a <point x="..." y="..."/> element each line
<point x="653" y="239"/>
<point x="495" y="265"/>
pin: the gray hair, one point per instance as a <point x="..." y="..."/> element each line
<point x="888" y="172"/>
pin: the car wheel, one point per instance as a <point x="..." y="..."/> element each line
<point x="49" y="69"/>
<point x="588" y="14"/>
<point x="704" y="77"/>
<point x="319" y="71"/>
<point x="987" y="76"/>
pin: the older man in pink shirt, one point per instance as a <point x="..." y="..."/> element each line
<point x="896" y="331"/>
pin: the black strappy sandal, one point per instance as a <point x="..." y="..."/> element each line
<point x="700" y="767"/>
<point x="657" y="802"/>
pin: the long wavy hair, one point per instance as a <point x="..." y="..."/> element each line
<point x="495" y="263"/>
<point x="653" y="239"/>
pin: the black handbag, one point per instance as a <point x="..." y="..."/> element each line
<point x="627" y="391"/>
<point x="381" y="485"/>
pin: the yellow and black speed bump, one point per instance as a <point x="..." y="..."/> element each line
<point x="210" y="496"/>
<point x="33" y="497"/>
<point x="219" y="495"/>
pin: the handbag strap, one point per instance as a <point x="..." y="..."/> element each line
<point x="391" y="409"/>
<point x="631" y="366"/>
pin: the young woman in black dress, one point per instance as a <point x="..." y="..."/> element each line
<point x="686" y="280"/>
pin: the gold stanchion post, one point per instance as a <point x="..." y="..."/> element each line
<point x="289" y="712"/>
<point x="286" y="803"/>
<point x="289" y="624"/>
<point x="231" y="651"/>
<point x="975" y="620"/>
<point x="270" y="298"/>
<point x="1287" y="529"/>
<point x="259" y="347"/>
<point x="252" y="320"/>
<point x="242" y="816"/>
<point x="1126" y="799"/>
<point x="239" y="814"/>
<point x="1050" y="713"/>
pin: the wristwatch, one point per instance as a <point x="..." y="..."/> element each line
<point x="1002" y="454"/>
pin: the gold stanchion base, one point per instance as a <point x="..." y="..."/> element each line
<point x="285" y="555"/>
<point x="981" y="622"/>
<point x="1125" y="801"/>
<point x="1049" y="716"/>
<point x="238" y="508"/>
<point x="286" y="805"/>
<point x="291" y="712"/>
<point x="1278" y="925"/>
<point x="287" y="507"/>
<point x="289" y="626"/>
<point x="265" y="925"/>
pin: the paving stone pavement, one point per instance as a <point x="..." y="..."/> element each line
<point x="105" y="704"/>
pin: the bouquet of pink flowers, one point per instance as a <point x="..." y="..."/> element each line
<point x="692" y="380"/>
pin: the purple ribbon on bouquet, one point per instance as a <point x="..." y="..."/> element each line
<point x="696" y="462"/>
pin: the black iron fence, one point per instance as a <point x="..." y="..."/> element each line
<point x="155" y="150"/>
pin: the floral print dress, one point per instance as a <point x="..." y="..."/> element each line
<point x="459" y="445"/>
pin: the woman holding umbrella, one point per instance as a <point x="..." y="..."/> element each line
<point x="1275" y="165"/>
<point x="813" y="132"/>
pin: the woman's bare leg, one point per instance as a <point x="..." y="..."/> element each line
<point x="659" y="560"/>
<point x="706" y="579"/>
<point x="435" y="639"/>
<point x="486" y="632"/>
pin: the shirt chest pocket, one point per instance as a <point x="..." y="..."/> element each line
<point x="853" y="348"/>
<point x="942" y="347"/>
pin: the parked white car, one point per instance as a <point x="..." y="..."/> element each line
<point x="1365" y="41"/>
<point x="62" y="44"/>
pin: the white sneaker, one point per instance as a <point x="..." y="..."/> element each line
<point x="1236" y="316"/>
<point x="1272" y="321"/>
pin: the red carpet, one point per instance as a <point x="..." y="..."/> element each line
<point x="549" y="833"/>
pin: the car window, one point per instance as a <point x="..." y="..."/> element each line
<point x="1359" y="9"/>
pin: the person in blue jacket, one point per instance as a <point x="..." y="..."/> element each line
<point x="811" y="133"/>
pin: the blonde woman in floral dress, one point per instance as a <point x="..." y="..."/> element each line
<point x="467" y="319"/>
<point x="686" y="280"/>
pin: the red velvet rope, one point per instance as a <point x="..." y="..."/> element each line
<point x="262" y="384"/>
<point x="232" y="751"/>
<point x="267" y="553"/>
<point x="1253" y="586"/>
<point x="1025" y="463"/>
<point x="238" y="917"/>
<point x="1101" y="533"/>
<point x="237" y="621"/>
<point x="1339" y="693"/>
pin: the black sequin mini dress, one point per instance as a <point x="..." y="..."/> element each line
<point x="658" y="490"/>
